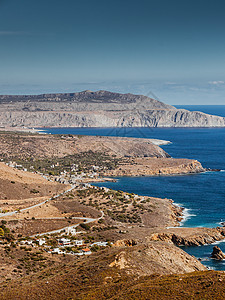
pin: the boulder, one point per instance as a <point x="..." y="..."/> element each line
<point x="217" y="253"/>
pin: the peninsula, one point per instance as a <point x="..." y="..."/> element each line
<point x="97" y="109"/>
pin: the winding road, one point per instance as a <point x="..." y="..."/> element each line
<point x="87" y="220"/>
<point x="11" y="213"/>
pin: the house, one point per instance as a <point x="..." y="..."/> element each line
<point x="78" y="253"/>
<point x="86" y="251"/>
<point x="41" y="242"/>
<point x="71" y="230"/>
<point x="78" y="242"/>
<point x="64" y="241"/>
<point x="57" y="250"/>
<point x="27" y="242"/>
<point x="101" y="244"/>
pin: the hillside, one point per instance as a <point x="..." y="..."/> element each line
<point x="113" y="156"/>
<point x="97" y="109"/>
<point x="19" y="189"/>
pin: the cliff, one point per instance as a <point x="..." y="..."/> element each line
<point x="97" y="109"/>
<point x="148" y="166"/>
<point x="190" y="236"/>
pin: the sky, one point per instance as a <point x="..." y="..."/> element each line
<point x="174" y="50"/>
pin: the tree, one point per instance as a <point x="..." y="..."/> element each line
<point x="1" y="232"/>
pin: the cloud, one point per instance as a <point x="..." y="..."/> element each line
<point x="219" y="82"/>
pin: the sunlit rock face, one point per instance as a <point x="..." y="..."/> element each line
<point x="97" y="109"/>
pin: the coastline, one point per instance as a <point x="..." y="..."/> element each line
<point x="23" y="130"/>
<point x="177" y="215"/>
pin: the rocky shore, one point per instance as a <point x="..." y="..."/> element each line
<point x="197" y="236"/>
<point x="156" y="167"/>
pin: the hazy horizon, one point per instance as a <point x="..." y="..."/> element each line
<point x="172" y="49"/>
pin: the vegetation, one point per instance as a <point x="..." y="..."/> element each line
<point x="119" y="206"/>
<point x="5" y="233"/>
<point x="54" y="166"/>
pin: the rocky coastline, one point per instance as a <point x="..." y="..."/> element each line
<point x="197" y="236"/>
<point x="97" y="109"/>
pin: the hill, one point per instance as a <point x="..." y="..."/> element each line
<point x="97" y="109"/>
<point x="93" y="278"/>
<point x="19" y="189"/>
<point x="113" y="156"/>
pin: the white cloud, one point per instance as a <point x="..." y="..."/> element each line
<point x="219" y="82"/>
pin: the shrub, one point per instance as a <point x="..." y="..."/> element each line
<point x="85" y="226"/>
<point x="34" y="191"/>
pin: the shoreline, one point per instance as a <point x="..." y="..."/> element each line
<point x="23" y="129"/>
<point x="157" y="142"/>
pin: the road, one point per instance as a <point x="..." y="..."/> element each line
<point x="88" y="220"/>
<point x="11" y="213"/>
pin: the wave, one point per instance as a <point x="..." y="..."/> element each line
<point x="218" y="242"/>
<point x="186" y="215"/>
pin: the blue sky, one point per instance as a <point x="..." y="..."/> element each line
<point x="173" y="49"/>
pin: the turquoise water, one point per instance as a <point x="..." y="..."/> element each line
<point x="203" y="195"/>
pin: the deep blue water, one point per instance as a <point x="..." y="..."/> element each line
<point x="218" y="110"/>
<point x="202" y="194"/>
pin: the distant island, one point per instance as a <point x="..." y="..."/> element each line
<point x="97" y="109"/>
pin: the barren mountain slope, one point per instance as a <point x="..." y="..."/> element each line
<point x="97" y="109"/>
<point x="105" y="274"/>
<point x="18" y="185"/>
<point x="37" y="146"/>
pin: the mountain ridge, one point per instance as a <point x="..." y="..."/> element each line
<point x="97" y="109"/>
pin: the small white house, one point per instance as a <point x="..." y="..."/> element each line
<point x="41" y="242"/>
<point x="27" y="242"/>
<point x="71" y="230"/>
<point x="101" y="244"/>
<point x="78" y="242"/>
<point x="57" y="250"/>
<point x="64" y="241"/>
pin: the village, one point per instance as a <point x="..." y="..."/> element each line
<point x="71" y="175"/>
<point x="62" y="241"/>
<point x="66" y="244"/>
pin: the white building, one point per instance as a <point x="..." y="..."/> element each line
<point x="71" y="230"/>
<point x="102" y="244"/>
<point x="41" y="242"/>
<point x="64" y="241"/>
<point x="78" y="242"/>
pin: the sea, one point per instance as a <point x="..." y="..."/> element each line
<point x="202" y="195"/>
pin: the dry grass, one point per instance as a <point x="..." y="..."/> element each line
<point x="91" y="278"/>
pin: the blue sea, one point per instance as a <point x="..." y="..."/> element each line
<point x="203" y="195"/>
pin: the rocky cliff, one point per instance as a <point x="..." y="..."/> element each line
<point x="98" y="109"/>
<point x="190" y="236"/>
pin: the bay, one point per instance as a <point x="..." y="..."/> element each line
<point x="203" y="195"/>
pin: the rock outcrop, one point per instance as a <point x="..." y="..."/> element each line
<point x="217" y="253"/>
<point x="155" y="258"/>
<point x="190" y="236"/>
<point x="98" y="109"/>
<point x="148" y="166"/>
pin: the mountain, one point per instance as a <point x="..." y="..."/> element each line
<point x="97" y="109"/>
